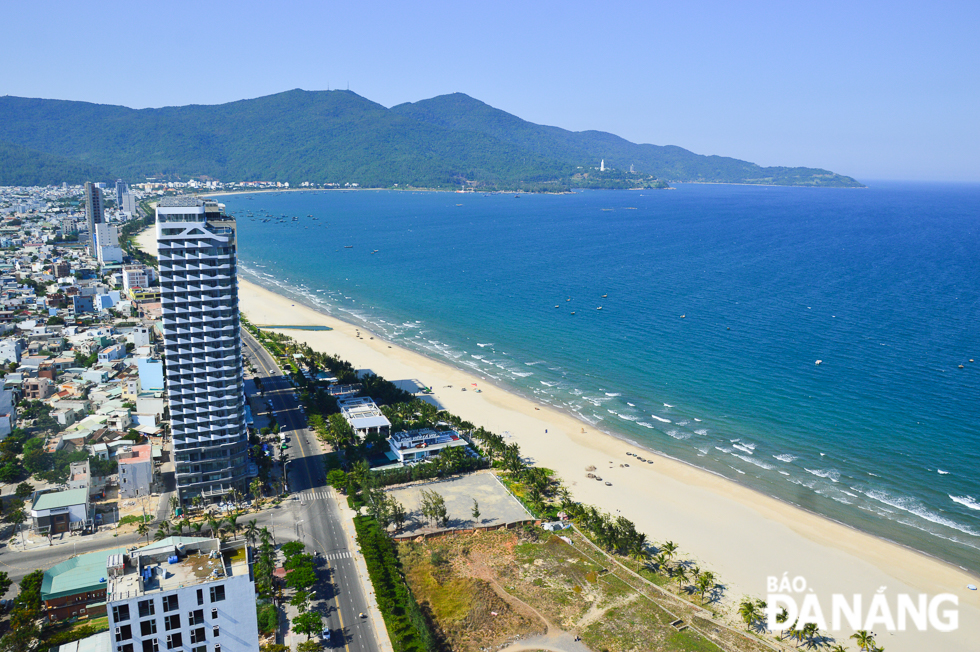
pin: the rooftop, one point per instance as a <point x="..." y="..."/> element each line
<point x="95" y="643"/>
<point x="180" y="200"/>
<point x="426" y="436"/>
<point x="141" y="453"/>
<point x="176" y="562"/>
<point x="56" y="499"/>
<point x="81" y="574"/>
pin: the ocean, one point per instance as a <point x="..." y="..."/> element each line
<point x="689" y="321"/>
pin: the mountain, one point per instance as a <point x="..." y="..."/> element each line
<point x="339" y="137"/>
<point x="20" y="166"/>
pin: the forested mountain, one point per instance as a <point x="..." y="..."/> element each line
<point x="340" y="137"/>
<point x="20" y="166"/>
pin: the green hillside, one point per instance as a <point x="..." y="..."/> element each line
<point x="20" y="166"/>
<point x="339" y="137"/>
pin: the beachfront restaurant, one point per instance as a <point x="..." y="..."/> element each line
<point x="364" y="417"/>
<point x="412" y="445"/>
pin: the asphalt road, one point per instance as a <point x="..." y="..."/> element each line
<point x="317" y="522"/>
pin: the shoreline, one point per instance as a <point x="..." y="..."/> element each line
<point x="739" y="532"/>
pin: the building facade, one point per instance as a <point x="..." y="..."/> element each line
<point x="136" y="472"/>
<point x="182" y="593"/>
<point x="94" y="212"/>
<point x="202" y="339"/>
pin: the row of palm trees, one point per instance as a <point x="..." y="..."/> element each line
<point x="753" y="614"/>
<point x="217" y="527"/>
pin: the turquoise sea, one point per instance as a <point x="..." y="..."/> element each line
<point x="716" y="303"/>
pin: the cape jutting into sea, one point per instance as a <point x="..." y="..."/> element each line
<point x="814" y="344"/>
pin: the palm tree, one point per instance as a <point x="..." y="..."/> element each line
<point x="810" y="632"/>
<point x="251" y="532"/>
<point x="669" y="549"/>
<point x="747" y="611"/>
<point x="144" y="531"/>
<point x="174" y="504"/>
<point x="864" y="639"/>
<point x="197" y="501"/>
<point x="838" y="648"/>
<point x="680" y="575"/>
<point x="232" y="523"/>
<point x="256" y="488"/>
<point x="705" y="583"/>
<point x="213" y="524"/>
<point x="196" y="527"/>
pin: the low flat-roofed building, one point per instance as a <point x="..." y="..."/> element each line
<point x="364" y="416"/>
<point x="76" y="587"/>
<point x="101" y="642"/>
<point x="411" y="445"/>
<point x="61" y="511"/>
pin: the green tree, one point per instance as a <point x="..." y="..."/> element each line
<point x="307" y="623"/>
<point x="10" y="472"/>
<point x="476" y="510"/>
<point x="338" y="480"/>
<point x="24" y="490"/>
<point x="864" y="639"/>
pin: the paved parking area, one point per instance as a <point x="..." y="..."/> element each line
<point x="497" y="506"/>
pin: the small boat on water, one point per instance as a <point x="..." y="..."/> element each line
<point x="348" y="246"/>
<point x="599" y="308"/>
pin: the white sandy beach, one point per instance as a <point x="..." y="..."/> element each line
<point x="740" y="534"/>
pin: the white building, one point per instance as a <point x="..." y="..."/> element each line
<point x="60" y="511"/>
<point x="142" y="336"/>
<point x="107" y="244"/>
<point x="205" y="375"/>
<point x="136" y="276"/>
<point x="364" y="416"/>
<point x="8" y="413"/>
<point x="412" y="445"/>
<point x="136" y="472"/>
<point x="182" y="593"/>
<point x="10" y="350"/>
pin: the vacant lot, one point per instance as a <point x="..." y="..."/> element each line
<point x="497" y="506"/>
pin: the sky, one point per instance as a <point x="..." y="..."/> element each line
<point x="873" y="90"/>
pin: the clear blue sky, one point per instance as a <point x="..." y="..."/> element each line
<point x="875" y="90"/>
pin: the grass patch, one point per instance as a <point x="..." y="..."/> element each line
<point x="135" y="518"/>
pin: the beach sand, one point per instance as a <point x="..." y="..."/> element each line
<point x="740" y="534"/>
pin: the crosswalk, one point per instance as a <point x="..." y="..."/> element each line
<point x="313" y="495"/>
<point x="338" y="555"/>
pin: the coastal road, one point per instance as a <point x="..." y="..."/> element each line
<point x="317" y="520"/>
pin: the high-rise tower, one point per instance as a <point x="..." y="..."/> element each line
<point x="205" y="375"/>
<point x="94" y="212"/>
<point x="121" y="189"/>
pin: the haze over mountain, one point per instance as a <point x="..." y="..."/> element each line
<point x="340" y="137"/>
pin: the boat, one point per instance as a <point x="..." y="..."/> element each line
<point x="348" y="246"/>
<point x="604" y="296"/>
<point x="599" y="308"/>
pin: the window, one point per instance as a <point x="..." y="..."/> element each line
<point x="170" y="602"/>
<point x="216" y="630"/>
<point x="171" y="622"/>
<point x="128" y="647"/>
<point x="195" y="617"/>
<point x="120" y="613"/>
<point x="148" y="628"/>
<point x="202" y="648"/>
<point x="198" y="635"/>
<point x="146" y="608"/>
<point x="218" y="593"/>
<point x="124" y="633"/>
<point x="200" y="597"/>
<point x="151" y="645"/>
<point x="214" y="614"/>
<point x="174" y="641"/>
<point x="217" y="647"/>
